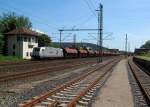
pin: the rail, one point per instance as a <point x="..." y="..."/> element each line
<point x="142" y="78"/>
<point x="82" y="84"/>
<point x="38" y="71"/>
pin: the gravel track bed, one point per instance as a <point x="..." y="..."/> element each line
<point x="28" y="62"/>
<point x="12" y="98"/>
<point x="17" y="91"/>
<point x="7" y="70"/>
<point x="136" y="91"/>
<point x="10" y="84"/>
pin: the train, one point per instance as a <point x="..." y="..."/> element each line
<point x="51" y="52"/>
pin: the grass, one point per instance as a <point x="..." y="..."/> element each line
<point x="10" y="59"/>
<point x="145" y="56"/>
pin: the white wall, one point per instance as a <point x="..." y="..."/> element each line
<point x="28" y="47"/>
<point x="23" y="47"/>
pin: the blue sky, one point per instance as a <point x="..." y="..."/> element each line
<point x="120" y="17"/>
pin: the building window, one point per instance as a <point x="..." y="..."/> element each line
<point x="36" y="40"/>
<point x="25" y="39"/>
<point x="14" y="53"/>
<point x="26" y="53"/>
<point x="30" y="46"/>
<point x="29" y="39"/>
<point x="14" y="46"/>
<point x="19" y="38"/>
<point x="33" y="40"/>
<point x="30" y="53"/>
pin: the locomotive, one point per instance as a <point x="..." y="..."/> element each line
<point x="47" y="52"/>
<point x="51" y="52"/>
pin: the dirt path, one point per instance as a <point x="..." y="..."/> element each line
<point x="117" y="91"/>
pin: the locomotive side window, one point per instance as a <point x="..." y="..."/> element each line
<point x="56" y="51"/>
<point x="37" y="49"/>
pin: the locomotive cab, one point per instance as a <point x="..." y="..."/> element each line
<point x="37" y="52"/>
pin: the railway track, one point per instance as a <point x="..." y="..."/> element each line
<point x="143" y="69"/>
<point x="143" y="81"/>
<point x="40" y="71"/>
<point x="52" y="61"/>
<point x="5" y="77"/>
<point x="18" y="68"/>
<point x="77" y="92"/>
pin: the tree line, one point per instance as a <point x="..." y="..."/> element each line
<point x="146" y="45"/>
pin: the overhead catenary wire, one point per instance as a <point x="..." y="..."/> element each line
<point x="90" y="8"/>
<point x="38" y="19"/>
<point x="85" y="21"/>
<point x="96" y="1"/>
<point x="93" y="4"/>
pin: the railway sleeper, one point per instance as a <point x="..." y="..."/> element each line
<point x="57" y="97"/>
<point x="83" y="103"/>
<point x="71" y="95"/>
<point x="89" y="95"/>
<point x="66" y="92"/>
<point x="65" y="101"/>
<point x="85" y="99"/>
<point x="50" y="99"/>
<point x="45" y="103"/>
<point x="75" y="88"/>
<point x="39" y="106"/>
<point x="62" y="105"/>
<point x="62" y="98"/>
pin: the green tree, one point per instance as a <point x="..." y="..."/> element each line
<point x="23" y="22"/>
<point x="10" y="21"/>
<point x="1" y="42"/>
<point x="44" y="40"/>
<point x="146" y="45"/>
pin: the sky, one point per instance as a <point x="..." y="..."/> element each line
<point x="121" y="17"/>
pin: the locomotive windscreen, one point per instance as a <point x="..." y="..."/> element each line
<point x="37" y="49"/>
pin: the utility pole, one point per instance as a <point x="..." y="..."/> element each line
<point x="60" y="31"/>
<point x="100" y="32"/>
<point x="74" y="40"/>
<point x="128" y="47"/>
<point x="126" y="41"/>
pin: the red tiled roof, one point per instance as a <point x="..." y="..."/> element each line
<point x="23" y="31"/>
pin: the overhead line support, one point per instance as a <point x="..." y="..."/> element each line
<point x="100" y="31"/>
<point x="61" y="30"/>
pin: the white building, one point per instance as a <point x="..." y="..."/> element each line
<point x="20" y="42"/>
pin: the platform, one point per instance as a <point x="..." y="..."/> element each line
<point x="117" y="91"/>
